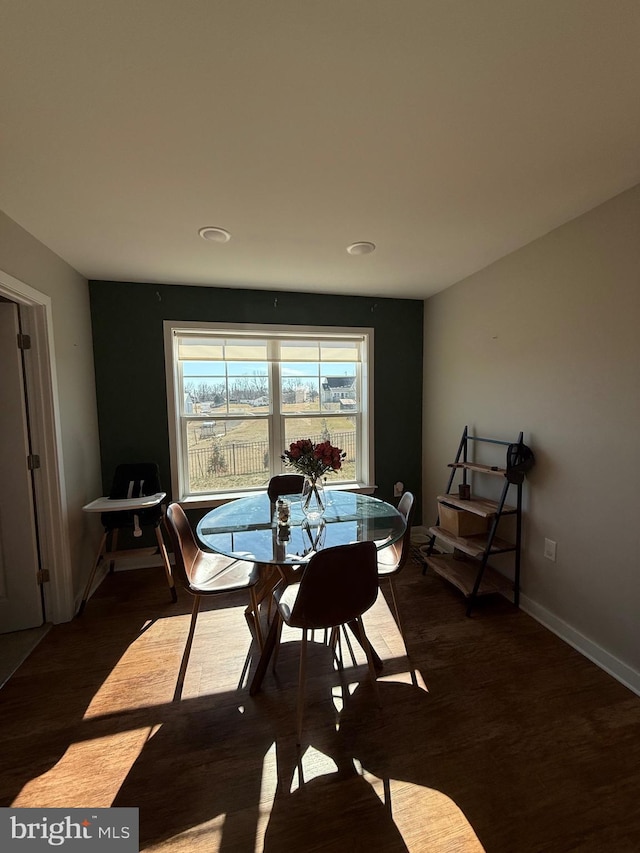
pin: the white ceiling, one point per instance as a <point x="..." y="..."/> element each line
<point x="448" y="132"/>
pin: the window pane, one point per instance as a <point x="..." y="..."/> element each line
<point x="249" y="369"/>
<point x="227" y="454"/>
<point x="246" y="388"/>
<point x="340" y="431"/>
<point x="205" y="370"/>
<point x="203" y="387"/>
<point x="339" y="389"/>
<point x="300" y="387"/>
<point x="223" y="387"/>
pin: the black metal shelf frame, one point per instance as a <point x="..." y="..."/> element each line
<point x="462" y="455"/>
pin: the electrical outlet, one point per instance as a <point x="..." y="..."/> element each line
<point x="550" y="549"/>
<point x="398" y="489"/>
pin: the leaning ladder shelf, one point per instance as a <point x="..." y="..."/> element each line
<point x="466" y="563"/>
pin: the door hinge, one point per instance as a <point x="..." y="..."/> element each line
<point x="24" y="341"/>
<point x="43" y="576"/>
<point x="33" y="461"/>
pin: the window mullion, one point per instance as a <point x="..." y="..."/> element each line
<point x="276" y="422"/>
<point x="182" y="421"/>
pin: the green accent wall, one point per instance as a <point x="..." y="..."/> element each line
<point x="127" y="322"/>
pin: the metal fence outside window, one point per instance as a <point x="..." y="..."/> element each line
<point x="252" y="457"/>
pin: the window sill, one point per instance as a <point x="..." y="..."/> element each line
<point x="211" y="501"/>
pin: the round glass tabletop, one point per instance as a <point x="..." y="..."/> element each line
<point x="248" y="528"/>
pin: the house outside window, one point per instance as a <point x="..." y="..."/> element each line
<point x="238" y="396"/>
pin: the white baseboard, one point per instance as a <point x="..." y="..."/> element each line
<point x="616" y="668"/>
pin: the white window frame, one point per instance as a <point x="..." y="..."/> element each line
<point x="364" y="435"/>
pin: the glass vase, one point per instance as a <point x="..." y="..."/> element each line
<point x="313" y="498"/>
<point x="313" y="535"/>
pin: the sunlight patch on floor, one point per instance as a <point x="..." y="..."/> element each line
<point x="268" y="790"/>
<point x="312" y="765"/>
<point x="205" y="836"/>
<point x="410" y="676"/>
<point x="99" y="785"/>
<point x="426" y="818"/>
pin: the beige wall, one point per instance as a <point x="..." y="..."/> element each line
<point x="547" y="340"/>
<point x="32" y="263"/>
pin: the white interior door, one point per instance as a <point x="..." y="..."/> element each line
<point x="20" y="595"/>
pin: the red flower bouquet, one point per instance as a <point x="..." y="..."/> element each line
<point x="313" y="460"/>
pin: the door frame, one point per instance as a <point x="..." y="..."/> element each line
<point x="44" y="415"/>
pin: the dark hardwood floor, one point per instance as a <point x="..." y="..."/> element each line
<point x="505" y="739"/>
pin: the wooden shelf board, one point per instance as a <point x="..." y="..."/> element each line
<point x="462" y="573"/>
<point x="482" y="469"/>
<point x="477" y="505"/>
<point x="474" y="546"/>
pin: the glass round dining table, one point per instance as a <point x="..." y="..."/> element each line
<point x="248" y="528"/>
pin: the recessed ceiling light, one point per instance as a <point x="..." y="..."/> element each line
<point x="215" y="235"/>
<point x="362" y="248"/>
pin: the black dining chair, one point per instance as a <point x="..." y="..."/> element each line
<point x="338" y="585"/>
<point x="284" y="484"/>
<point x="392" y="559"/>
<point x="204" y="573"/>
<point x="279" y="486"/>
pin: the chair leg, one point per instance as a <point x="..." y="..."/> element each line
<point x="335" y="644"/>
<point x="349" y="646"/>
<point x="355" y="630"/>
<point x="167" y="565"/>
<point x="278" y="636"/>
<point x="395" y="607"/>
<point x="301" y="678"/>
<point x="263" y="590"/>
<point x="271" y="576"/>
<point x="92" y="574"/>
<point x="256" y="616"/>
<point x="187" y="649"/>
<point x="366" y="645"/>
<point x="270" y="647"/>
<point x="113" y="547"/>
<point x="333" y="639"/>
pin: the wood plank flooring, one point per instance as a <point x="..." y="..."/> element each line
<point x="15" y="648"/>
<point x="495" y="736"/>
